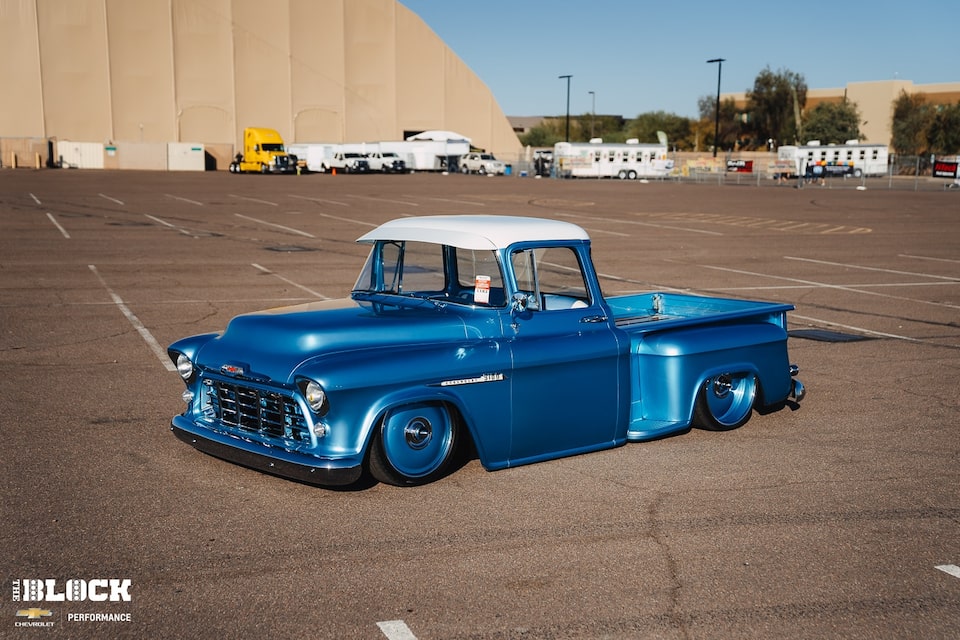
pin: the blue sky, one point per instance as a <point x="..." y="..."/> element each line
<point x="639" y="56"/>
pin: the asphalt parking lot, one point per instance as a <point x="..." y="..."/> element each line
<point x="837" y="519"/>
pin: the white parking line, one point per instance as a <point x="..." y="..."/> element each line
<point x="638" y="223"/>
<point x="199" y="204"/>
<point x="57" y="225"/>
<point x="360" y="222"/>
<point x="272" y="204"/>
<point x="160" y="352"/>
<point x="120" y="202"/>
<point x="321" y="200"/>
<point x="290" y="282"/>
<point x="396" y="630"/>
<point x="404" y="202"/>
<point x="857" y="266"/>
<point x="35" y="198"/>
<point x="907" y="255"/>
<point x="185" y="232"/>
<point x="278" y="226"/>
<point x="952" y="569"/>
<point x="472" y="204"/>
<point x="879" y="334"/>
<point x="826" y="285"/>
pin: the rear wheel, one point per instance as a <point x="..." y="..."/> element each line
<point x="725" y="401"/>
<point x="413" y="445"/>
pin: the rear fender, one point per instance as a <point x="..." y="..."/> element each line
<point x="671" y="366"/>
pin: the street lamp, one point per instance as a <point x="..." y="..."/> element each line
<point x="593" y="111"/>
<point x="568" y="104"/>
<point x="716" y="130"/>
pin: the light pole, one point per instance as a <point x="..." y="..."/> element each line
<point x="593" y="110"/>
<point x="568" y="104"/>
<point x="716" y="130"/>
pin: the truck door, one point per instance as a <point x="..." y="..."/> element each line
<point x="568" y="360"/>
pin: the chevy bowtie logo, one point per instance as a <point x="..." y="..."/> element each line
<point x="34" y="613"/>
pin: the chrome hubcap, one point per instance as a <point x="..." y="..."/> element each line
<point x="418" y="433"/>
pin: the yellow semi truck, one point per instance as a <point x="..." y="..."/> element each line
<point x="263" y="152"/>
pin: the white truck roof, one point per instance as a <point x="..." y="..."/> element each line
<point x="475" y="232"/>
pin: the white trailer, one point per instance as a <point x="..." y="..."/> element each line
<point x="428" y="155"/>
<point x="849" y="159"/>
<point x="419" y="155"/>
<point x="596" y="159"/>
<point x="316" y="156"/>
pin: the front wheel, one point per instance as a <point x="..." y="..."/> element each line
<point x="413" y="445"/>
<point x="725" y="401"/>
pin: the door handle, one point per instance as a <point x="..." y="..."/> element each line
<point x="593" y="319"/>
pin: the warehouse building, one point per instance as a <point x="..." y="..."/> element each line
<point x="137" y="75"/>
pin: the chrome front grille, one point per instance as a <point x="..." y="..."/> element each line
<point x="255" y="411"/>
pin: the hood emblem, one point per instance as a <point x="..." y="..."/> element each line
<point x="234" y="370"/>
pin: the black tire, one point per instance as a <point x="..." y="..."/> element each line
<point x="725" y="401"/>
<point x="413" y="445"/>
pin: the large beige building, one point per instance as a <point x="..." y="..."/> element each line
<point x="199" y="71"/>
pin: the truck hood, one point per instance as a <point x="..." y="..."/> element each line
<point x="273" y="344"/>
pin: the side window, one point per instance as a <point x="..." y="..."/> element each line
<point x="478" y="278"/>
<point x="554" y="275"/>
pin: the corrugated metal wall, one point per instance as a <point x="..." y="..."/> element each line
<point x="182" y="70"/>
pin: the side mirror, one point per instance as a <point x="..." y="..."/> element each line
<point x="521" y="302"/>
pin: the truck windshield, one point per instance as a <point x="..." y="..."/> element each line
<point x="272" y="146"/>
<point x="436" y="272"/>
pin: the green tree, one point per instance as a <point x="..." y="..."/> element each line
<point x="832" y="123"/>
<point x="548" y="132"/>
<point x="943" y="137"/>
<point x="775" y="103"/>
<point x="706" y="128"/>
<point x="912" y="122"/>
<point x="646" y="125"/>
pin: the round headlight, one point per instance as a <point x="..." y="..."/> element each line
<point x="184" y="367"/>
<point x="315" y="396"/>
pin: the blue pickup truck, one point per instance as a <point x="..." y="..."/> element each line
<point x="483" y="330"/>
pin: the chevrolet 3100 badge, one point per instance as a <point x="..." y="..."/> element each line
<point x="484" y="329"/>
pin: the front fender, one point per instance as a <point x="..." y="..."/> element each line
<point x="190" y="346"/>
<point x="361" y="386"/>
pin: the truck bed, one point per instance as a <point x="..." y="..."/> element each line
<point x="657" y="310"/>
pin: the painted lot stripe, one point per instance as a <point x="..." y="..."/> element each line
<point x="838" y="287"/>
<point x="857" y="266"/>
<point x="160" y="352"/>
<point x="589" y="219"/>
<point x="103" y="195"/>
<point x="199" y="204"/>
<point x="849" y="327"/>
<point x="360" y="222"/>
<point x="907" y="255"/>
<point x="396" y="630"/>
<point x="168" y="224"/>
<point x="403" y="202"/>
<point x="57" y="225"/>
<point x="952" y="569"/>
<point x="290" y="282"/>
<point x="35" y="198"/>
<point x="278" y="226"/>
<point x="321" y="200"/>
<point x="272" y="204"/>
<point x="472" y="204"/>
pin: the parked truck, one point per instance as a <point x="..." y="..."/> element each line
<point x="489" y="331"/>
<point x="263" y="152"/>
